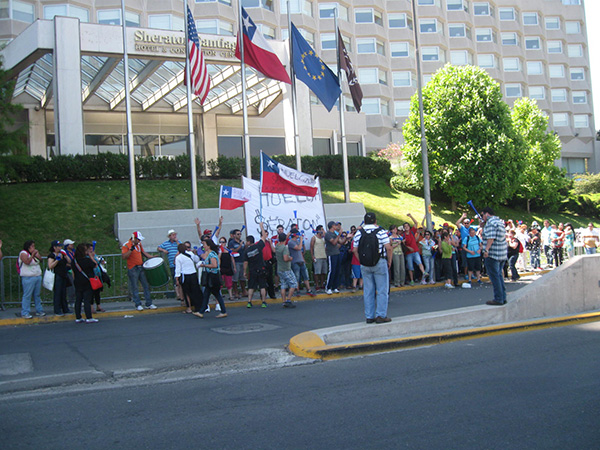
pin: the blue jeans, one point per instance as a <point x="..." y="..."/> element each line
<point x="494" y="269"/>
<point x="300" y="272"/>
<point x="535" y="258"/>
<point x="134" y="275"/>
<point x="590" y="251"/>
<point x="512" y="265"/>
<point x="428" y="263"/>
<point x="32" y="286"/>
<point x="376" y="282"/>
<point x="335" y="267"/>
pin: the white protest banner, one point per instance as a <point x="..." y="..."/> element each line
<point x="282" y="209"/>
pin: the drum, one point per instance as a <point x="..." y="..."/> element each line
<point x="156" y="272"/>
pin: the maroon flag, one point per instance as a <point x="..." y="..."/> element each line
<point x="346" y="66"/>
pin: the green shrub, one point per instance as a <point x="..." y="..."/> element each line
<point x="585" y="205"/>
<point x="587" y="184"/>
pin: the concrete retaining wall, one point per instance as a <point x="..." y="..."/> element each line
<point x="570" y="289"/>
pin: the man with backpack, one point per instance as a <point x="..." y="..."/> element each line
<point x="373" y="249"/>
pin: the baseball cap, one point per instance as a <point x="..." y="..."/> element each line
<point x="137" y="235"/>
<point x="445" y="225"/>
<point x="68" y="242"/>
<point x="207" y="231"/>
<point x="370" y="218"/>
<point x="170" y="232"/>
<point x="55" y="243"/>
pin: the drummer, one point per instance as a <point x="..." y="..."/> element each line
<point x="169" y="247"/>
<point x="132" y="252"/>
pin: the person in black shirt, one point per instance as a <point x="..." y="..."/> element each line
<point x="83" y="270"/>
<point x="57" y="261"/>
<point x="254" y="266"/>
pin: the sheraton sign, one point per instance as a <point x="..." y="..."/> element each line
<point x="173" y="43"/>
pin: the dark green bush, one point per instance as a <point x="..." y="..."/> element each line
<point x="587" y="184"/>
<point x="584" y="205"/>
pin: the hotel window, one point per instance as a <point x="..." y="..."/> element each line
<point x="266" y="4"/>
<point x="225" y="2"/>
<point x="482" y="9"/>
<point x="368" y="15"/>
<point x="430" y="54"/>
<point x="402" y="108"/>
<point x="556" y="70"/>
<point x="310" y="37"/>
<point x="371" y="106"/>
<point x="574" y="166"/>
<point x="428" y="25"/>
<point x="370" y="45"/>
<point x="486" y="61"/>
<point x="327" y="11"/>
<point x="577" y="74"/>
<point x="581" y="121"/>
<point x="537" y="92"/>
<point x="402" y="78"/>
<point x="560" y="119"/>
<point x="572" y="27"/>
<point x="513" y="90"/>
<point x="399" y="49"/>
<point x="511" y="64"/>
<point x="113" y="17"/>
<point x="552" y="23"/>
<point x="559" y="95"/>
<point x="399" y="20"/>
<point x="66" y="10"/>
<point x="267" y="31"/>
<point x="166" y="22"/>
<point x="459" y="30"/>
<point x="533" y="43"/>
<point x="575" y="51"/>
<point x="554" y="46"/>
<point x="457" y="5"/>
<point x="368" y="75"/>
<point x="510" y="39"/>
<point x="298" y="7"/>
<point x="16" y="10"/>
<point x="328" y="41"/>
<point x="214" y="26"/>
<point x="426" y="2"/>
<point x="579" y="97"/>
<point x="484" y="35"/>
<point x="460" y="58"/>
<point x="535" y="68"/>
<point x="571" y="2"/>
<point x="530" y="18"/>
<point x="507" y="14"/>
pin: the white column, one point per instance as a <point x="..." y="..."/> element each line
<point x="334" y="142"/>
<point x="37" y="132"/>
<point x="68" y="107"/>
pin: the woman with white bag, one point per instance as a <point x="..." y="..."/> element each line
<point x="57" y="262"/>
<point x="31" y="278"/>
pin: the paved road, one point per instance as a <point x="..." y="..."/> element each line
<point x="535" y="390"/>
<point x="57" y="353"/>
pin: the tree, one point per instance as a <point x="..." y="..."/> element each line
<point x="540" y="179"/>
<point x="12" y="139"/>
<point x="474" y="151"/>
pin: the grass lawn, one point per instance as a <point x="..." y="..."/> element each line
<point x="84" y="211"/>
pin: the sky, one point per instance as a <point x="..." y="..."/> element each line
<point x="592" y="12"/>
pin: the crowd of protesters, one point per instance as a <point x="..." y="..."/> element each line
<point x="267" y="264"/>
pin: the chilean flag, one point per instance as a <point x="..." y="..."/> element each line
<point x="276" y="178"/>
<point x="232" y="198"/>
<point x="258" y="52"/>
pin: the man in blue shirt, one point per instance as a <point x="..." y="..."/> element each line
<point x="471" y="247"/>
<point x="169" y="247"/>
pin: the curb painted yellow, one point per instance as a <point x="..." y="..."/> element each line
<point x="314" y="348"/>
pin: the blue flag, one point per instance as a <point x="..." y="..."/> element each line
<point x="310" y="69"/>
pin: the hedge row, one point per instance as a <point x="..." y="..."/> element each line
<point x="324" y="166"/>
<point x="104" y="166"/>
<point x="110" y="166"/>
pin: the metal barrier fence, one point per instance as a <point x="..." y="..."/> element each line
<point x="11" y="290"/>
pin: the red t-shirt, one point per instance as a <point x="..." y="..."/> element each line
<point x="410" y="240"/>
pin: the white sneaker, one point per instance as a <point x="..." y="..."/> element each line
<point x="329" y="291"/>
<point x="466" y="285"/>
<point x="152" y="306"/>
<point x="432" y="282"/>
<point x="91" y="320"/>
<point x="448" y="286"/>
<point x="218" y="308"/>
<point x="140" y="308"/>
<point x="207" y="310"/>
<point x="423" y="282"/>
<point x="336" y="291"/>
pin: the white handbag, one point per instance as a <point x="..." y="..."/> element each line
<point x="48" y="280"/>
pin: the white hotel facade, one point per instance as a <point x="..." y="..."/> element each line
<point x="67" y="58"/>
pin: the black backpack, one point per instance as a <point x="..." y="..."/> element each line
<point x="368" y="247"/>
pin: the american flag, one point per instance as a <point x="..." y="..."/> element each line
<point x="198" y="71"/>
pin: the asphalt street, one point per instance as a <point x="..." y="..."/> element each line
<point x="53" y="354"/>
<point x="534" y="390"/>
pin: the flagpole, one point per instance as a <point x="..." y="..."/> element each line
<point x="190" y="112"/>
<point x="341" y="108"/>
<point x="130" y="149"/>
<point x="294" y="99"/>
<point x="246" y="141"/>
